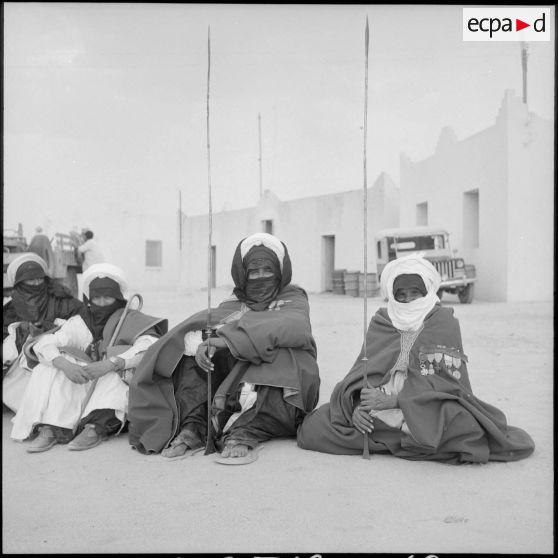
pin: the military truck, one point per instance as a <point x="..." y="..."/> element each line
<point x="433" y="242"/>
<point x="66" y="262"/>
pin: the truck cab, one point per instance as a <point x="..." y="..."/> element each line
<point x="433" y="243"/>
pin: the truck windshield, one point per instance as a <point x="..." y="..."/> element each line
<point x="415" y="244"/>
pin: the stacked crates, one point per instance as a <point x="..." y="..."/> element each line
<point x="338" y="286"/>
<point x="354" y="283"/>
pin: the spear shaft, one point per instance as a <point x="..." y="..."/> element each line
<point x="209" y="446"/>
<point x="210" y="209"/>
<point x="365" y="450"/>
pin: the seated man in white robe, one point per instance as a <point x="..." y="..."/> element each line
<point x="37" y="304"/>
<point x="78" y="393"/>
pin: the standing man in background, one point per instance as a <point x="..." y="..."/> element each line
<point x="90" y="251"/>
<point x="40" y="245"/>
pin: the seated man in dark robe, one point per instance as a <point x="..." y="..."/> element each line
<point x="262" y="359"/>
<point x="37" y="305"/>
<point x="418" y="403"/>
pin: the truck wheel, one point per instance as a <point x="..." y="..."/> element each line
<point x="466" y="295"/>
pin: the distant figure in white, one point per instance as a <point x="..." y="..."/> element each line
<point x="90" y="251"/>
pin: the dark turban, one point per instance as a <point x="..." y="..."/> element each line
<point x="28" y="270"/>
<point x="407" y="281"/>
<point x="259" y="293"/>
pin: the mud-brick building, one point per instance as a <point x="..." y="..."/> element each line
<point x="494" y="192"/>
<point x="322" y="234"/>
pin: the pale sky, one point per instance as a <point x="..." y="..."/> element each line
<point x="105" y="104"/>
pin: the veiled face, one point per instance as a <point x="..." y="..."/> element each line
<point x="103" y="300"/>
<point x="407" y="294"/>
<point x="260" y="273"/>
<point x="34" y="282"/>
<point x="262" y="280"/>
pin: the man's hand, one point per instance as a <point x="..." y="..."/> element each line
<point x="362" y="421"/>
<point x="74" y="372"/>
<point x="276" y="304"/>
<point x="98" y="369"/>
<point x="35" y="329"/>
<point x="373" y="399"/>
<point x="206" y="350"/>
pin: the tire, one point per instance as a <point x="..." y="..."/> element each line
<point x="466" y="295"/>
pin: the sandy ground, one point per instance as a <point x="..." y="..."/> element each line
<point x="113" y="500"/>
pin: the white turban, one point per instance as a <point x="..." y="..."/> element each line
<point x="268" y="240"/>
<point x="410" y="315"/>
<point x="21" y="259"/>
<point x="104" y="270"/>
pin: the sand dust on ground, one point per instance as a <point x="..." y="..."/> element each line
<point x="112" y="499"/>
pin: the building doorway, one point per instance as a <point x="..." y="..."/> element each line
<point x="422" y="214"/>
<point x="267" y="226"/>
<point x="328" y="262"/>
<point x="471" y="219"/>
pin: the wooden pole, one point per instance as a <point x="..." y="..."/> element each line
<point x="180" y="221"/>
<point x="209" y="446"/>
<point x="365" y="451"/>
<point x="260" y="152"/>
<point x="524" y="69"/>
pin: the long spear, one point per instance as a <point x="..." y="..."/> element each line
<point x="365" y="450"/>
<point x="209" y="445"/>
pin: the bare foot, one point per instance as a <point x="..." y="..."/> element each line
<point x="177" y="448"/>
<point x="235" y="450"/>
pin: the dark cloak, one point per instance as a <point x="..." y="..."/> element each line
<point x="447" y="421"/>
<point x="277" y="349"/>
<point x="40" y="245"/>
<point x="57" y="303"/>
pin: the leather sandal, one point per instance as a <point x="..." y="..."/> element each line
<point x="250" y="457"/>
<point x="179" y="448"/>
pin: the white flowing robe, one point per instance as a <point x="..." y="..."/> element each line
<point x="51" y="398"/>
<point x="18" y="374"/>
<point x="17" y="377"/>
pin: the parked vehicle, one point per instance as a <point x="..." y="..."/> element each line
<point x="433" y="242"/>
<point x="65" y="266"/>
<point x="14" y="245"/>
<point x="67" y="260"/>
